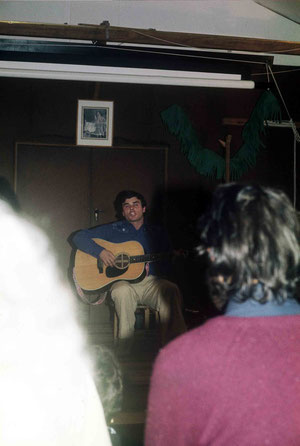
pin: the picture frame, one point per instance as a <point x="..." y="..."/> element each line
<point x="95" y="123"/>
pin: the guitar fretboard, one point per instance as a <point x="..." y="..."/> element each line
<point x="148" y="257"/>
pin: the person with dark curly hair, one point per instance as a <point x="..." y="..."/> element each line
<point x="153" y="286"/>
<point x="235" y="379"/>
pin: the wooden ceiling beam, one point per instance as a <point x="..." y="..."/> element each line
<point x="106" y="33"/>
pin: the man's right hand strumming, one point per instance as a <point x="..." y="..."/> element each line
<point x="107" y="257"/>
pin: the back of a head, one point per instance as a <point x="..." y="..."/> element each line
<point x="48" y="396"/>
<point x="252" y="235"/>
<point x="108" y="379"/>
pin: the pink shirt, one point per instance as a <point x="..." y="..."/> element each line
<point x="235" y="381"/>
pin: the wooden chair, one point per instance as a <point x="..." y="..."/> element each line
<point x="147" y="310"/>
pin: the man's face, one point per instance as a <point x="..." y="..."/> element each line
<point x="133" y="210"/>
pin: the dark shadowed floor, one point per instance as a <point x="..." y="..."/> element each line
<point x="137" y="368"/>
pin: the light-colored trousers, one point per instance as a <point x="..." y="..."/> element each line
<point x="159" y="294"/>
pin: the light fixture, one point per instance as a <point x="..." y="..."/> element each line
<point x="94" y="73"/>
<point x="282" y="124"/>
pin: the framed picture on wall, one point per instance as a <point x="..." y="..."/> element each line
<point x="95" y="123"/>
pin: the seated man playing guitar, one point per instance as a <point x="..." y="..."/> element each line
<point x="121" y="255"/>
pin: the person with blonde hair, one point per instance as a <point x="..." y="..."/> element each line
<point x="48" y="396"/>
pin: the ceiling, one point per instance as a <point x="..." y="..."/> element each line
<point x="289" y="9"/>
<point x="105" y="45"/>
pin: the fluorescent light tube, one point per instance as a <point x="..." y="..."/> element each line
<point x="122" y="75"/>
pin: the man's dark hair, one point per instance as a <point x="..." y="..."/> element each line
<point x="124" y="195"/>
<point x="251" y="234"/>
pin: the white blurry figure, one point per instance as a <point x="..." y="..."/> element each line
<point x="47" y="394"/>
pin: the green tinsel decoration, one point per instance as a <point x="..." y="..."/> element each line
<point x="209" y="163"/>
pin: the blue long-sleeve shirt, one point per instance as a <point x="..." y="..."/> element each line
<point x="154" y="239"/>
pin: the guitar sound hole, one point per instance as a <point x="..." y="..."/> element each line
<point x="122" y="261"/>
<point x="121" y="266"/>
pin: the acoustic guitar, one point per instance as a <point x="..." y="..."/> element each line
<point x="91" y="274"/>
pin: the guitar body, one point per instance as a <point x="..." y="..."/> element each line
<point x="91" y="276"/>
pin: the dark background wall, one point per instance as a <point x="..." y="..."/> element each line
<point x="45" y="111"/>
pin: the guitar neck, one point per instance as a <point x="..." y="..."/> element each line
<point x="146" y="258"/>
